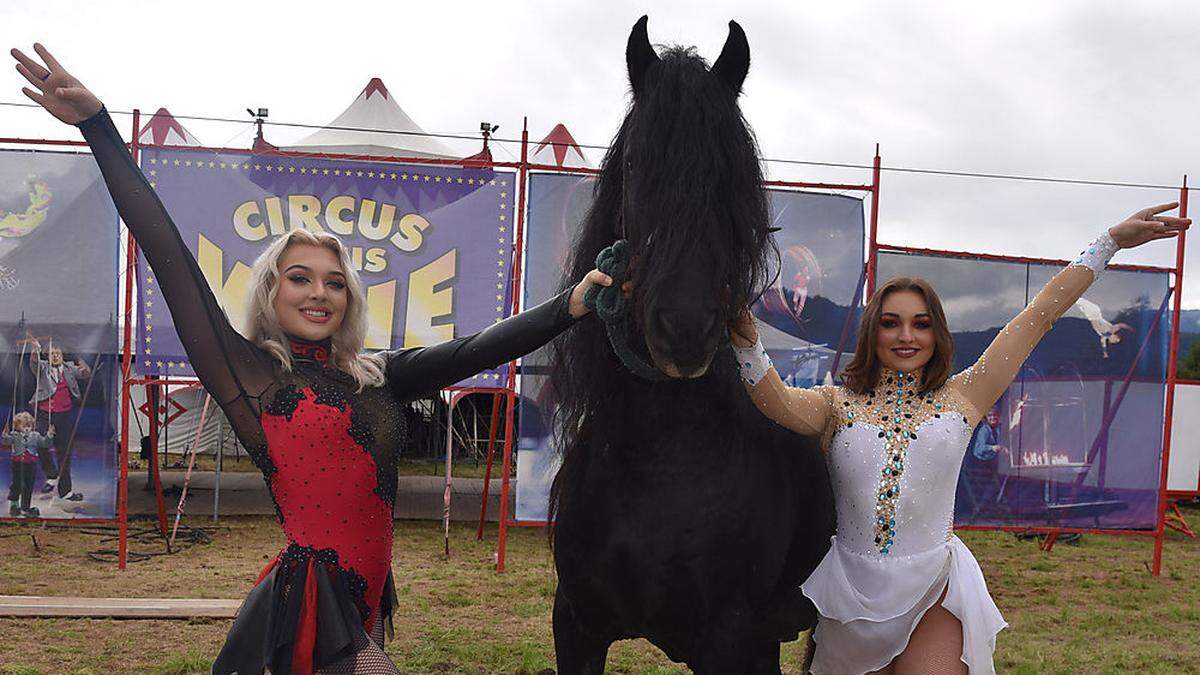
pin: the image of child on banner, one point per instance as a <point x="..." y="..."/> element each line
<point x="25" y="444"/>
<point x="54" y="400"/>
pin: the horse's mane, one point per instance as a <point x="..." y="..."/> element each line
<point x="694" y="191"/>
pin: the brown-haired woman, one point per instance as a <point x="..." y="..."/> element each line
<point x="898" y="592"/>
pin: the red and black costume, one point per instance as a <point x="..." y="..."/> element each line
<point x="327" y="451"/>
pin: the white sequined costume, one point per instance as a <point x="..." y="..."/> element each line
<point x="894" y="455"/>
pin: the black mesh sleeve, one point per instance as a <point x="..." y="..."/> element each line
<point x="421" y="371"/>
<point x="228" y="365"/>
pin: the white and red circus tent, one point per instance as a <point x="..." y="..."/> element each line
<point x="559" y="149"/>
<point x="164" y="129"/>
<point x="363" y="129"/>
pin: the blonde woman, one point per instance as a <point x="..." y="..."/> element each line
<point x="898" y="592"/>
<point x="320" y="418"/>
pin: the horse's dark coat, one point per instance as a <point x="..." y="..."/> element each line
<point x="682" y="514"/>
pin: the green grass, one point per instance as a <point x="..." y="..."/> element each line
<point x="1091" y="607"/>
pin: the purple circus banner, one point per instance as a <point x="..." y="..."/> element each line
<point x="433" y="244"/>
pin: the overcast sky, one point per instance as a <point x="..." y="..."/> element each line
<point x="1094" y="90"/>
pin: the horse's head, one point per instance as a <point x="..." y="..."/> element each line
<point x="682" y="182"/>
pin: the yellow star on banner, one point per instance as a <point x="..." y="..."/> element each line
<point x="426" y="178"/>
<point x="500" y="286"/>
<point x="503" y="195"/>
<point x="504" y="206"/>
<point x="258" y="167"/>
<point x="393" y="176"/>
<point x="149" y="304"/>
<point x="270" y="168"/>
<point x="153" y="172"/>
<point x="247" y="165"/>
<point x="337" y="172"/>
<point x="500" y="274"/>
<point x="437" y="179"/>
<point x="500" y="251"/>
<point x="460" y="180"/>
<point x="291" y="169"/>
<point x="503" y="229"/>
<point x="499" y="298"/>
<point x="224" y="165"/>
<point x="502" y="217"/>
<point x="149" y="291"/>
<point x="159" y="363"/>
<point x="492" y="182"/>
<point x="470" y="181"/>
<point x="146" y="351"/>
<point x="211" y="164"/>
<point x="170" y="364"/>
<point x="149" y="316"/>
<point x="149" y="328"/>
<point x="324" y="172"/>
<point x="504" y="182"/>
<point x="498" y="309"/>
<point x="176" y="162"/>
<point x="147" y="339"/>
<point x="153" y="184"/>
<point x="500" y="263"/>
<point x="187" y="162"/>
<point x="403" y="176"/>
<point x="370" y="174"/>
<point x="147" y="364"/>
<point x="153" y="160"/>
<point x="303" y="169"/>
<point x="359" y="174"/>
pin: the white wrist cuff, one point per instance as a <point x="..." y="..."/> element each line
<point x="753" y="362"/>
<point x="1097" y="254"/>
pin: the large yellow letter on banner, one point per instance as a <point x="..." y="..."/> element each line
<point x="381" y="307"/>
<point x="231" y="292"/>
<point x="426" y="304"/>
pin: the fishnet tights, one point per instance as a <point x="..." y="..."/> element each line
<point x="935" y="646"/>
<point x="368" y="657"/>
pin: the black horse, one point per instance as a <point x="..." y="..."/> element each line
<point x="682" y="514"/>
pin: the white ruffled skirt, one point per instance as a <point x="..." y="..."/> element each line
<point x="870" y="605"/>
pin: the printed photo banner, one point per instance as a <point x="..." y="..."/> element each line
<point x="433" y="244"/>
<point x="58" y="292"/>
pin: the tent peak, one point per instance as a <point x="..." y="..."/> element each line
<point x="374" y="86"/>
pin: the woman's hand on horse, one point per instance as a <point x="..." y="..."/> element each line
<point x="55" y="89"/>
<point x="745" y="334"/>
<point x="1147" y="225"/>
<point x="593" y="278"/>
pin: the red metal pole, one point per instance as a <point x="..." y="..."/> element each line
<point x="873" y="242"/>
<point x="126" y="370"/>
<point x="1172" y="372"/>
<point x="487" y="474"/>
<point x="506" y="465"/>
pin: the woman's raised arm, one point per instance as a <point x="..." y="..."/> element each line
<point x="227" y="364"/>
<point x="984" y="381"/>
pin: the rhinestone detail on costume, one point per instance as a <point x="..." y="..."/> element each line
<point x="897" y="409"/>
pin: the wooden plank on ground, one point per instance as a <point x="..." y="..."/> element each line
<point x="118" y="608"/>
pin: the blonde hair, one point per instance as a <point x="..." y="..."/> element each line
<point x="262" y="324"/>
<point x="22" y="417"/>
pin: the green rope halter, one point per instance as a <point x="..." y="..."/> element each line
<point x="608" y="302"/>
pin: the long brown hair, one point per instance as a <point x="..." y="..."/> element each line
<point x="862" y="373"/>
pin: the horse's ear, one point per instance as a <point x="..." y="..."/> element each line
<point x="734" y="61"/>
<point x="639" y="55"/>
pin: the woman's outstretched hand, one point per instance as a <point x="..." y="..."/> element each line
<point x="55" y="89"/>
<point x="1147" y="225"/>
<point x="593" y="278"/>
